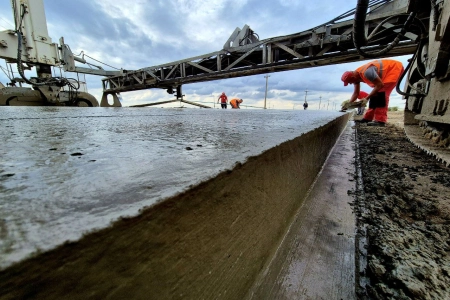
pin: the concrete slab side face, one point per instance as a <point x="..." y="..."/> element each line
<point x="67" y="171"/>
<point x="210" y="241"/>
<point x="317" y="257"/>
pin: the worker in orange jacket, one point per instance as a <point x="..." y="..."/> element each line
<point x="235" y="103"/>
<point x="382" y="75"/>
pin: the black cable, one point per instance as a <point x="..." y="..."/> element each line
<point x="351" y="12"/>
<point x="416" y="56"/>
<point x="359" y="35"/>
<point x="360" y="39"/>
<point x="435" y="14"/>
<point x="347" y="14"/>
<point x="52" y="80"/>
<point x="100" y="62"/>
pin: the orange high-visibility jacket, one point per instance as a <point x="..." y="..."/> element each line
<point x="388" y="70"/>
<point x="234" y="103"/>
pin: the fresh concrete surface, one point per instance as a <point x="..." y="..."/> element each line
<point x="212" y="239"/>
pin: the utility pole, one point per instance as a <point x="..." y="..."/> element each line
<point x="265" y="96"/>
<point x="305" y="105"/>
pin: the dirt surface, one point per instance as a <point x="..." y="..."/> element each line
<point x="405" y="207"/>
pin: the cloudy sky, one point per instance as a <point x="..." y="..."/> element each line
<point x="143" y="33"/>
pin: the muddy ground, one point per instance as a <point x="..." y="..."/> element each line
<point x="405" y="206"/>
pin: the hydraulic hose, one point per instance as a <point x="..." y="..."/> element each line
<point x="397" y="87"/>
<point x="360" y="39"/>
<point x="417" y="56"/>
<point x="435" y="14"/>
<point x="19" y="59"/>
<point x="61" y="82"/>
<point x="359" y="35"/>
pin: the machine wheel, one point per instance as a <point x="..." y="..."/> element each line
<point x="7" y="103"/>
<point x="82" y="103"/>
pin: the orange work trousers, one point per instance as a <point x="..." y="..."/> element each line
<point x="379" y="114"/>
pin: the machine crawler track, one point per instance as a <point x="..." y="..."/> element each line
<point x="432" y="139"/>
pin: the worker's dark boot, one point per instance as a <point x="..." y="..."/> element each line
<point x="362" y="121"/>
<point x="376" y="123"/>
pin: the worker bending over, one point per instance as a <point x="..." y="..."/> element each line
<point x="382" y="75"/>
<point x="235" y="103"/>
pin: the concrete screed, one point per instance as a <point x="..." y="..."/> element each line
<point x="205" y="203"/>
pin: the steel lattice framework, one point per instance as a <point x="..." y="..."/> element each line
<point x="327" y="44"/>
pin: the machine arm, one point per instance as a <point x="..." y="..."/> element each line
<point x="36" y="45"/>
<point x="69" y="63"/>
<point x="30" y="43"/>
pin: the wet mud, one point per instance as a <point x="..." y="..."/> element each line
<point x="405" y="209"/>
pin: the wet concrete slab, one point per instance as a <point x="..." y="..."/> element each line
<point x="68" y="171"/>
<point x="316" y="259"/>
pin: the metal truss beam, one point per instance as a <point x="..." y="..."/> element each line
<point x="325" y="45"/>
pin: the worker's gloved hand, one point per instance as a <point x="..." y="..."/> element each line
<point x="364" y="102"/>
<point x="344" y="107"/>
<point x="354" y="104"/>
